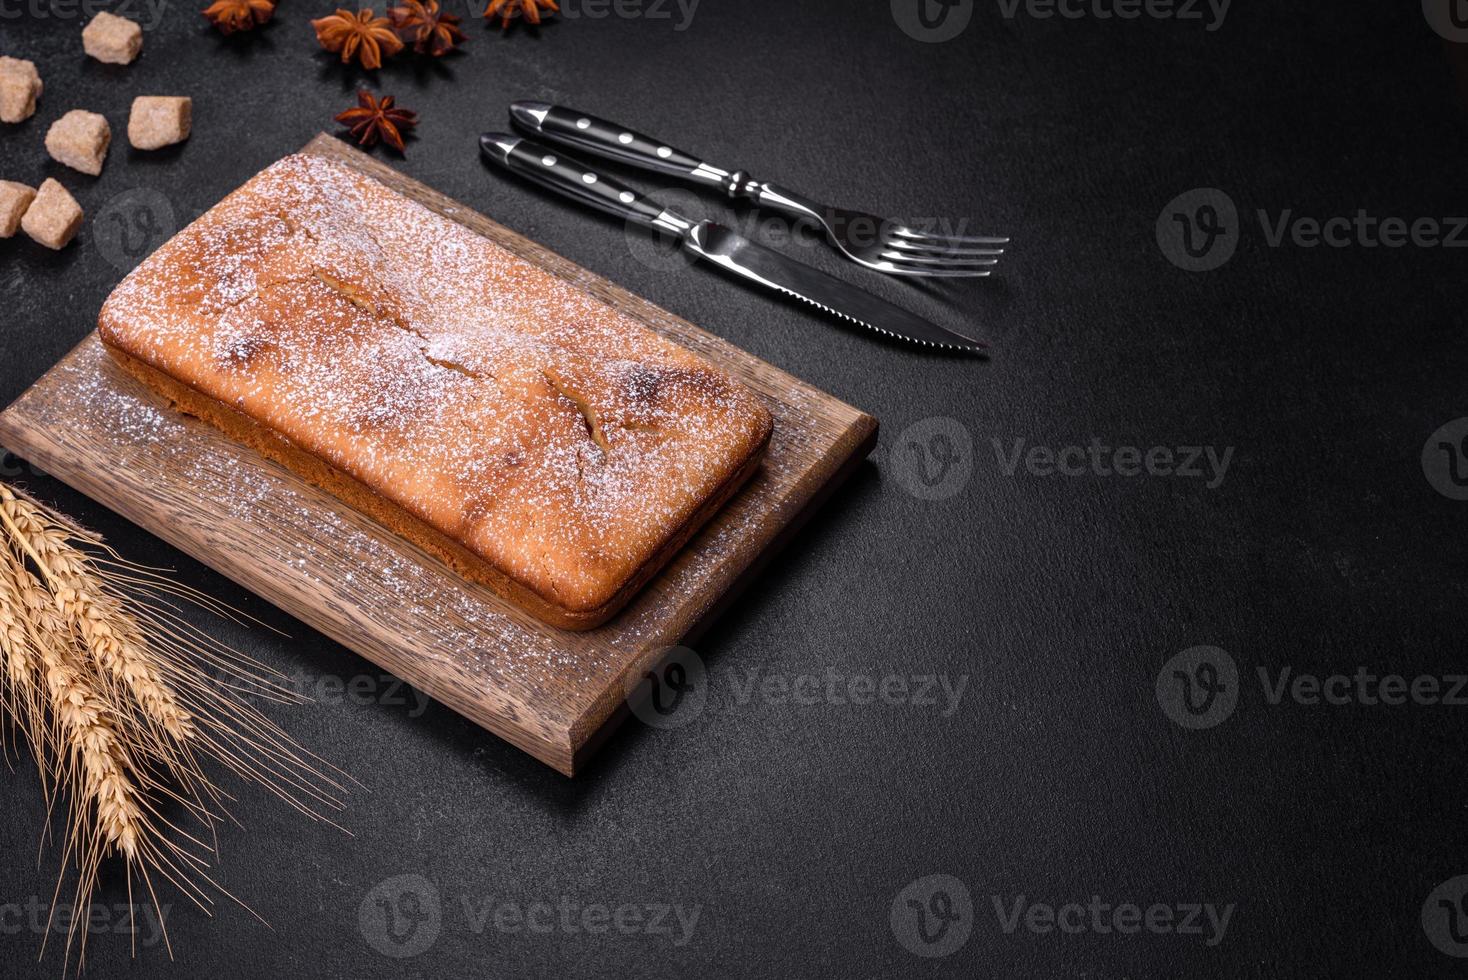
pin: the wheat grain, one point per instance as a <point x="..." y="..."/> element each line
<point x="84" y="598"/>
<point x="116" y="694"/>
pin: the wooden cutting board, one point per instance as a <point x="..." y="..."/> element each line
<point x="553" y="693"/>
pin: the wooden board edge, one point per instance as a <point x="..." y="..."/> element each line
<point x="595" y="726"/>
<point x="554" y="752"/>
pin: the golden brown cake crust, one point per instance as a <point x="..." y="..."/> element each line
<point x="533" y="437"/>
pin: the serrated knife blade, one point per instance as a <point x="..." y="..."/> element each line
<point x="730" y="251"/>
<point x="736" y="254"/>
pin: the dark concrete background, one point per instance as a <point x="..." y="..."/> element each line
<point x="793" y="829"/>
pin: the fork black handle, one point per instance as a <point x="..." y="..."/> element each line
<point x="612" y="141"/>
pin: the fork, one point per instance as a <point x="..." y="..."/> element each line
<point x="866" y="239"/>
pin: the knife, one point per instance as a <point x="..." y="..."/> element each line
<point x="714" y="243"/>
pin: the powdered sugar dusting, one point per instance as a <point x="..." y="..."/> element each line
<point x="554" y="436"/>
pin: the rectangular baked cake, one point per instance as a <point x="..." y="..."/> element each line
<point x="533" y="437"/>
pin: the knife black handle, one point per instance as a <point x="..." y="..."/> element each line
<point x="560" y="172"/>
<point x="612" y="141"/>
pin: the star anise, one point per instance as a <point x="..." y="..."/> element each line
<point x="362" y="35"/>
<point x="429" y="30"/>
<point x="371" y="119"/>
<point x="239" y="15"/>
<point x="508" y="10"/>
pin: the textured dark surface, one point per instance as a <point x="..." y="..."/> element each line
<point x="794" y="827"/>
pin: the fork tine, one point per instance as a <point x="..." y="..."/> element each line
<point x="937" y="273"/>
<point x="922" y="236"/>
<point x="937" y="261"/>
<point x="925" y="248"/>
<point x="934" y="271"/>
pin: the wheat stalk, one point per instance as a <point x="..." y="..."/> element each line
<point x="109" y="632"/>
<point x="117" y="696"/>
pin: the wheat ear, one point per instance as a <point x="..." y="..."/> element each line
<point x="109" y="632"/>
<point x="118" y="696"/>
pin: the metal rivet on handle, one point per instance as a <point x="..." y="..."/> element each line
<point x="627" y="197"/>
<point x="665" y="151"/>
<point x="583" y="123"/>
<point x="625" y="138"/>
<point x="548" y="160"/>
<point x="589" y="178"/>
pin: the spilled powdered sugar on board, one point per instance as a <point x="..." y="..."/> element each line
<point x="337" y="550"/>
<point x="94" y="426"/>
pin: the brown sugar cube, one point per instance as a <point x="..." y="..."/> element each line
<point x="159" y="120"/>
<point x="79" y="139"/>
<point x="113" y="39"/>
<point x="53" y="217"/>
<point x="20" y="87"/>
<point x="14" y="199"/>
